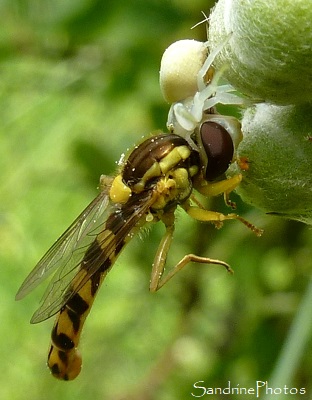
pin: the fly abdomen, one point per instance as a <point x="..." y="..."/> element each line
<point x="64" y="359"/>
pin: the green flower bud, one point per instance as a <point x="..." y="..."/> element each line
<point x="269" y="53"/>
<point x="275" y="160"/>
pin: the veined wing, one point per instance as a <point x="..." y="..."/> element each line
<point x="67" y="250"/>
<point x="88" y="246"/>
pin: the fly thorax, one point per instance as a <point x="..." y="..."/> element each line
<point x="154" y="161"/>
<point x="173" y="188"/>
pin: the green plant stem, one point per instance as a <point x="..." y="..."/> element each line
<point x="294" y="345"/>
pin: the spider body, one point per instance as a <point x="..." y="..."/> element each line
<point x="190" y="83"/>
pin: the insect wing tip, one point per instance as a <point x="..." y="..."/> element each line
<point x="39" y="316"/>
<point x="21" y="293"/>
<point x="26" y="287"/>
<point x="35" y="319"/>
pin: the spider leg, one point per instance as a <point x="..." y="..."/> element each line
<point x="208" y="63"/>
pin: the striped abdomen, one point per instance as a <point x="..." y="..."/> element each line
<point x="64" y="359"/>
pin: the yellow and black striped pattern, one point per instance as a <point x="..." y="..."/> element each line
<point x="157" y="176"/>
<point x="64" y="359"/>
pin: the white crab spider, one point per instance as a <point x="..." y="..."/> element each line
<point x="189" y="82"/>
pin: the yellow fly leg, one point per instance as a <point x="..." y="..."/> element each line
<point x="157" y="278"/>
<point x="199" y="213"/>
<point x="224" y="187"/>
<point x="203" y="215"/>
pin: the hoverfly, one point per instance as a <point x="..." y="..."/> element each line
<point x="160" y="174"/>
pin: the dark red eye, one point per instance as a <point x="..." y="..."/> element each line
<point x="219" y="148"/>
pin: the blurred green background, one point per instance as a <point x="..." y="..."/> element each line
<point x="79" y="85"/>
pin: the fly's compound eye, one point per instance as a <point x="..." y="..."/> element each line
<point x="218" y="147"/>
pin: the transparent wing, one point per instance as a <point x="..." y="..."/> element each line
<point x="87" y="248"/>
<point x="70" y="247"/>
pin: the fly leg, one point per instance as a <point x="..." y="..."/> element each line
<point x="157" y="278"/>
<point x="225" y="187"/>
<point x="208" y="189"/>
<point x="203" y="215"/>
